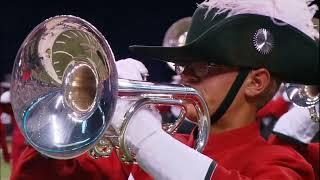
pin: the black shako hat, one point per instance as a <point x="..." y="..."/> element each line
<point x="245" y="40"/>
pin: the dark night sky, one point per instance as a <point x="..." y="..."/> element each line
<point x="122" y="25"/>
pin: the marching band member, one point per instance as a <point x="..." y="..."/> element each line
<point x="18" y="141"/>
<point x="219" y="35"/>
<point x="296" y="129"/>
<point x="236" y="55"/>
<point x="4" y="100"/>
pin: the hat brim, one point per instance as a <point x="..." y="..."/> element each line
<point x="294" y="56"/>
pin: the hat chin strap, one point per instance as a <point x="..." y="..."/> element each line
<point x="243" y="73"/>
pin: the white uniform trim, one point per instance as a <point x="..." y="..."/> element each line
<point x="296" y="123"/>
<point x="163" y="157"/>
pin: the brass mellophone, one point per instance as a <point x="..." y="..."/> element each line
<point x="65" y="87"/>
<point x="176" y="35"/>
<point x="306" y="96"/>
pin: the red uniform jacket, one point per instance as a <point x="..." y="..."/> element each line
<point x="240" y="154"/>
<point x="18" y="143"/>
<point x="274" y="108"/>
<point x="3" y="143"/>
<point x="311" y="151"/>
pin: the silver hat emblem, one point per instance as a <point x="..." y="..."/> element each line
<point x="263" y="41"/>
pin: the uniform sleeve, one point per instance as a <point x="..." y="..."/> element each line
<point x="32" y="165"/>
<point x="165" y="158"/>
<point x="311" y="151"/>
<point x="272" y="171"/>
<point x="270" y="162"/>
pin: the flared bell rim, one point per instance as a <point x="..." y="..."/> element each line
<point x="107" y="90"/>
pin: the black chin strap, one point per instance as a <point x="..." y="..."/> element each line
<point x="243" y="73"/>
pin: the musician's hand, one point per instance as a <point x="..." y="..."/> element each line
<point x="297" y="124"/>
<point x="146" y="121"/>
<point x="5" y="97"/>
<point x="131" y="69"/>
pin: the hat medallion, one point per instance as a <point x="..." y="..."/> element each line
<point x="263" y="41"/>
